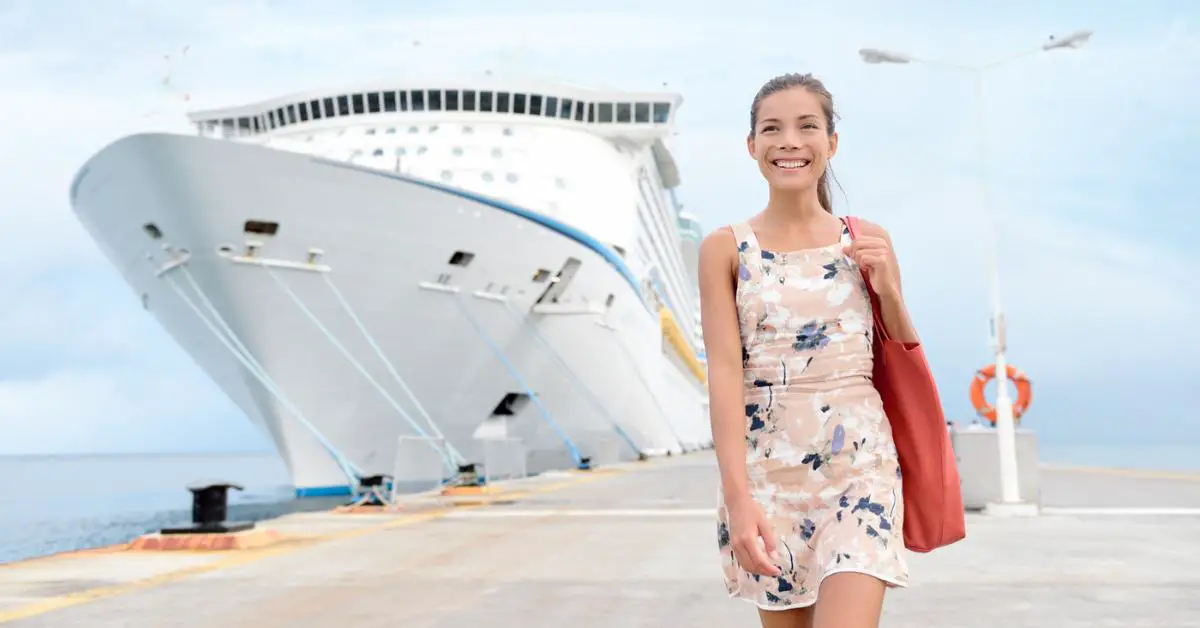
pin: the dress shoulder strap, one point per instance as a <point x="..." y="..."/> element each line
<point x="746" y="240"/>
<point x="848" y="232"/>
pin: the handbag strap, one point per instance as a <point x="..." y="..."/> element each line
<point x="852" y="227"/>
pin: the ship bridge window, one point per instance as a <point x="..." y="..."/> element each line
<point x="451" y="100"/>
<point x="624" y="112"/>
<point x="403" y="101"/>
<point x="417" y="98"/>
<point x="373" y="102"/>
<point x="302" y="109"/>
<point x="291" y="114"/>
<point x="343" y="105"/>
<point x="605" y="112"/>
<point x="435" y="100"/>
<point x="329" y="110"/>
<point x="358" y="105"/>
<point x="535" y="105"/>
<point x="468" y="100"/>
<point x="485" y="101"/>
<point x="518" y="103"/>
<point x="662" y="111"/>
<point x="314" y="107"/>
<point x="502" y="99"/>
<point x="641" y="112"/>
<point x="564" y="108"/>
<point x="378" y="152"/>
<point x="389" y="101"/>
<point x="552" y="106"/>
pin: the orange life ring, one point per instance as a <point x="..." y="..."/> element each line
<point x="985" y="375"/>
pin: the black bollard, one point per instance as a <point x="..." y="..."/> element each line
<point x="468" y="475"/>
<point x="210" y="506"/>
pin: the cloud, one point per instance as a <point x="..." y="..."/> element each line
<point x="1089" y="151"/>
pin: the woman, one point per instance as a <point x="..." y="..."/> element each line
<point x="810" y="514"/>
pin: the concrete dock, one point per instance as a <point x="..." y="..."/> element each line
<point x="626" y="547"/>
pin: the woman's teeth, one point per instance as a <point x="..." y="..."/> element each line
<point x="791" y="164"/>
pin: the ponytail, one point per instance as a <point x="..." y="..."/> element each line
<point x="823" y="195"/>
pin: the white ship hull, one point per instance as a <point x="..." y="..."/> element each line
<point x="460" y="338"/>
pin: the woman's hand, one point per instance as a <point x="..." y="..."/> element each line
<point x="747" y="524"/>
<point x="875" y="254"/>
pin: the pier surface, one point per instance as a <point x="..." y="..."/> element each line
<point x="627" y="547"/>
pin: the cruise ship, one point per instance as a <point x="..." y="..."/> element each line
<point x="403" y="280"/>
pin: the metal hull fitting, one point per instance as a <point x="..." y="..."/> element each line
<point x="362" y="286"/>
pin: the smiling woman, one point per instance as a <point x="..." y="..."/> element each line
<point x="810" y="481"/>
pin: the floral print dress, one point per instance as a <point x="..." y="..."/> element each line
<point x="819" y="447"/>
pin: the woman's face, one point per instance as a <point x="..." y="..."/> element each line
<point x="791" y="140"/>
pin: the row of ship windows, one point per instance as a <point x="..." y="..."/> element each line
<point x="441" y="100"/>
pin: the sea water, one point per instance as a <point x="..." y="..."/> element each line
<point x="50" y="504"/>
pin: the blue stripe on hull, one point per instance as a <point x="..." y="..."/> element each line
<point x="324" y="491"/>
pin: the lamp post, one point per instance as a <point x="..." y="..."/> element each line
<point x="1010" y="497"/>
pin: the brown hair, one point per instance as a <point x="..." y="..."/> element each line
<point x="817" y="88"/>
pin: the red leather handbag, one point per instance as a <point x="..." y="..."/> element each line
<point x="933" y="503"/>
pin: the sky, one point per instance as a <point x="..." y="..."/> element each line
<point x="1089" y="165"/>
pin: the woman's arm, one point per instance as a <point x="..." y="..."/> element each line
<point x="873" y="249"/>
<point x="723" y="348"/>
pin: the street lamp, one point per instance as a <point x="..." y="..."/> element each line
<point x="1010" y="497"/>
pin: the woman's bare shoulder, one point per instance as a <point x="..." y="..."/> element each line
<point x="720" y="243"/>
